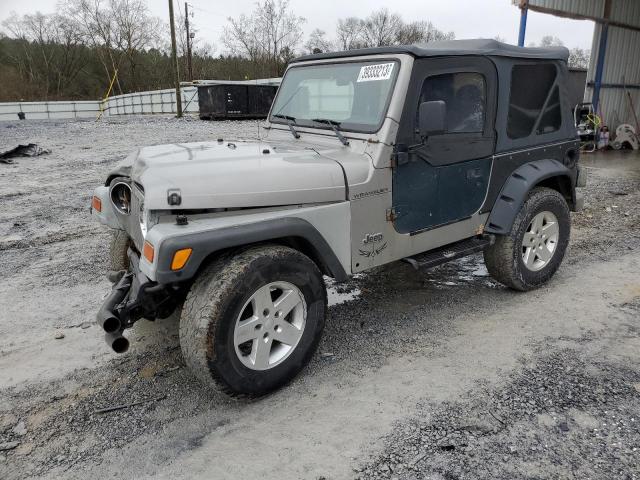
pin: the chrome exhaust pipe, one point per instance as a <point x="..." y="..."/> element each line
<point x="117" y="342"/>
<point x="106" y="317"/>
<point x="109" y="322"/>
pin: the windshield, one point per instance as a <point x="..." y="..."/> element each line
<point x="355" y="95"/>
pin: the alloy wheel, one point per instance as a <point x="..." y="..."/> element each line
<point x="540" y="241"/>
<point x="270" y="325"/>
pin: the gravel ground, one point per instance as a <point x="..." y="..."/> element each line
<point x="441" y="375"/>
<point x="566" y="415"/>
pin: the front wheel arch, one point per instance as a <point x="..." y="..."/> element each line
<point x="211" y="244"/>
<point x="299" y="244"/>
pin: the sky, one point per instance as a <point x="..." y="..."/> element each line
<point x="466" y="18"/>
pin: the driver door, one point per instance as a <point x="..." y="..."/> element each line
<point x="445" y="178"/>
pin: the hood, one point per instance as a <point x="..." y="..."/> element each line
<point x="235" y="175"/>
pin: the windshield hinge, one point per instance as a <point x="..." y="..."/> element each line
<point x="391" y="215"/>
<point x="394" y="213"/>
<point x="399" y="158"/>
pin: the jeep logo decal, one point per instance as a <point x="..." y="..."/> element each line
<point x="371" y="239"/>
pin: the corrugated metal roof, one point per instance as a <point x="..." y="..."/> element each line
<point x="593" y="8"/>
<point x="621" y="61"/>
<point x="623" y="11"/>
<point x="626" y="11"/>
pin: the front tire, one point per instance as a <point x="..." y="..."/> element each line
<point x="533" y="250"/>
<point x="252" y="321"/>
<point x="118" y="251"/>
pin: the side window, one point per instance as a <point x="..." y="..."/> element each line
<point x="532" y="101"/>
<point x="465" y="95"/>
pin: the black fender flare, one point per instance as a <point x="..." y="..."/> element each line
<point x="280" y="230"/>
<point x="515" y="189"/>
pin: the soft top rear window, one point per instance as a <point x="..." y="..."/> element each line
<point x="534" y="94"/>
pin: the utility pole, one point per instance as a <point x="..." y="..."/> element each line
<point x="186" y="26"/>
<point x="174" y="55"/>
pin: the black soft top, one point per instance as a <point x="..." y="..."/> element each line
<point x="484" y="47"/>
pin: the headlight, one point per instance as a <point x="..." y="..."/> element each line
<point x="121" y="197"/>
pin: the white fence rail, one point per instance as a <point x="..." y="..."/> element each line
<point x="156" y="101"/>
<point x="152" y="102"/>
<point x="43" y="110"/>
<point x="139" y="103"/>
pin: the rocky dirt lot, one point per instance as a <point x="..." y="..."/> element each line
<point x="436" y="375"/>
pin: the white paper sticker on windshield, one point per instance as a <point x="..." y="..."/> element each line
<point x="370" y="73"/>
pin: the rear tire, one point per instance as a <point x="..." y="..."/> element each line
<point x="230" y="329"/>
<point x="512" y="260"/>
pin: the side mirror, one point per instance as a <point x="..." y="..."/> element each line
<point x="432" y="118"/>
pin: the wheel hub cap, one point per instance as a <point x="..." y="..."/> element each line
<point x="270" y="325"/>
<point x="540" y="241"/>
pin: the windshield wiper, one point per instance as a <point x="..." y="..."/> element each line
<point x="335" y="126"/>
<point x="290" y="121"/>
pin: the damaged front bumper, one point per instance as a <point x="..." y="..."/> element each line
<point x="133" y="297"/>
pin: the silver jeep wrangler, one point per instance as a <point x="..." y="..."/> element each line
<point x="417" y="153"/>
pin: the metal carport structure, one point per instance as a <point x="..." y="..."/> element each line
<point x="613" y="78"/>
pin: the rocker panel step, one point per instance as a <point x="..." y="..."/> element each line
<point x="453" y="251"/>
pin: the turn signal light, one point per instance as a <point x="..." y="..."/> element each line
<point x="148" y="252"/>
<point x="96" y="204"/>
<point x="180" y="258"/>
